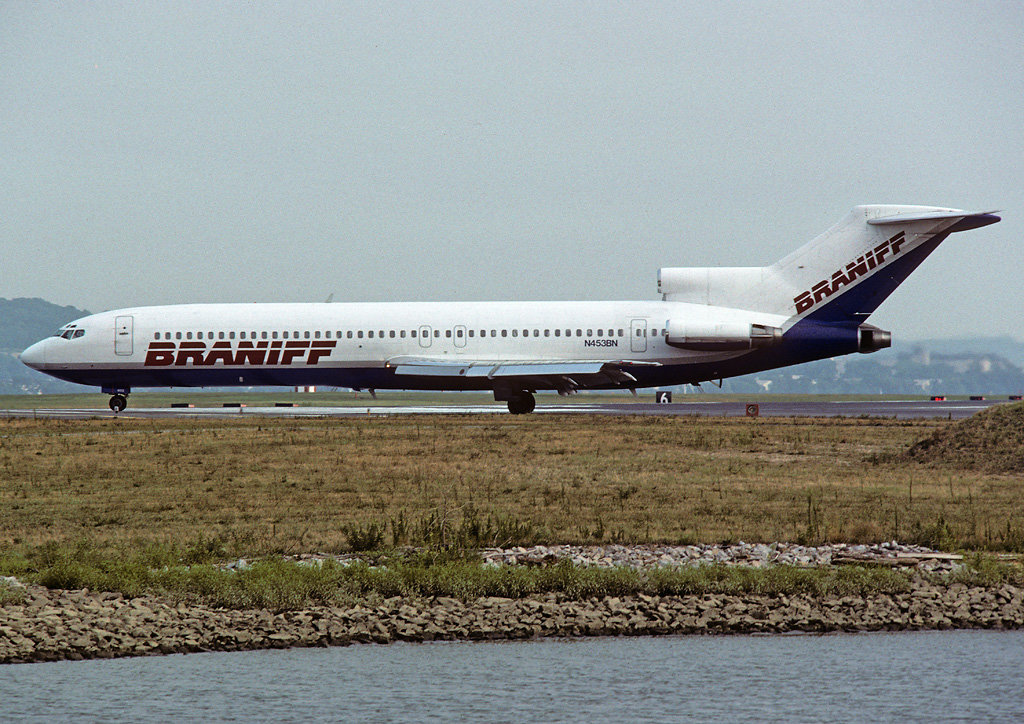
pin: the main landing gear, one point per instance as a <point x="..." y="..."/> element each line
<point x="119" y="397"/>
<point x="521" y="403"/>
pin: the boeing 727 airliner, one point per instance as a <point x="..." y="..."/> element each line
<point x="711" y="323"/>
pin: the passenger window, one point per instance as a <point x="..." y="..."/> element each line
<point x="547" y="332"/>
<point x="231" y="335"/>
<point x="167" y="335"/>
<point x="316" y="335"/>
<point x="600" y="333"/>
<point x="437" y="333"/>
<point x="412" y="333"/>
<point x="579" y="332"/>
<point x="220" y="335"/>
<point x="188" y="335"/>
<point x="620" y="332"/>
<point x="156" y="335"/>
<point x="273" y="335"/>
<point x="370" y="334"/>
<point x="536" y="333"/>
<point x="199" y="335"/>
<point x="504" y="333"/>
<point x="263" y="335"/>
<point x="472" y="332"/>
<point x="348" y="334"/>
<point x="284" y="334"/>
<point x="458" y="333"/>
<point x="526" y="333"/>
<point x="558" y="333"/>
<point x="391" y="334"/>
<point x="590" y="333"/>
<point x="515" y="332"/>
<point x="359" y="334"/>
<point x="401" y="334"/>
<point x="494" y="333"/>
<point x="448" y="333"/>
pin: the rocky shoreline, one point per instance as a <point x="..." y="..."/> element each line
<point x="753" y="555"/>
<point x="52" y="625"/>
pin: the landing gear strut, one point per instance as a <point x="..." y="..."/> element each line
<point x="521" y="403"/>
<point x="119" y="399"/>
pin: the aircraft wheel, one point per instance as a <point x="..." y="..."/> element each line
<point x="522" y="404"/>
<point x="118" y="403"/>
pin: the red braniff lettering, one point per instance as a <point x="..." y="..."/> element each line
<point x="197" y="354"/>
<point x="847" y="275"/>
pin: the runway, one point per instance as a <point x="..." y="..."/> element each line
<point x="904" y="409"/>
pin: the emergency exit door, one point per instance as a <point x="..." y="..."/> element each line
<point x="638" y="335"/>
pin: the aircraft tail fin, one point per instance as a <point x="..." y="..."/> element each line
<point x="839" y="277"/>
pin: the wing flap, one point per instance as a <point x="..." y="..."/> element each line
<point x="525" y="369"/>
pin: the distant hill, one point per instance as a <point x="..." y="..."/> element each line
<point x="1006" y="347"/>
<point x="933" y="367"/>
<point x="22" y="322"/>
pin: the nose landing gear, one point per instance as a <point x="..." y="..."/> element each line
<point x="119" y="397"/>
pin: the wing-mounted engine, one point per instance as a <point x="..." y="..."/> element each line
<point x="720" y="336"/>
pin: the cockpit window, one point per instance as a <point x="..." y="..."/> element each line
<point x="69" y="331"/>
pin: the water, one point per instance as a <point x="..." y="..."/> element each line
<point x="934" y="676"/>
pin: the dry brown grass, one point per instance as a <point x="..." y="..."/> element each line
<point x="298" y="485"/>
<point x="992" y="440"/>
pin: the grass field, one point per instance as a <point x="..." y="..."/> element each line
<point x="254" y="486"/>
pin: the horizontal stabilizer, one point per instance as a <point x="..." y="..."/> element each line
<point x="986" y="217"/>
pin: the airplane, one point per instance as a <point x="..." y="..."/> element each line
<point x="710" y="323"/>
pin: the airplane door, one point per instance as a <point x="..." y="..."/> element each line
<point x="123" y="333"/>
<point x="425" y="338"/>
<point x="460" y="336"/>
<point x="638" y="335"/>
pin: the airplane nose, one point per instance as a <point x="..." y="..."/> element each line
<point x="35" y="356"/>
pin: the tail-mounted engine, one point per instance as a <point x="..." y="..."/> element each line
<point x="872" y="339"/>
<point x="720" y="336"/>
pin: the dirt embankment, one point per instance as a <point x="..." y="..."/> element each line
<point x="991" y="441"/>
<point x="51" y="625"/>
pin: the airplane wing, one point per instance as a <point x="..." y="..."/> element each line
<point x="566" y="376"/>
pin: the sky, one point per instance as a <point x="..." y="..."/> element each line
<point x="162" y="152"/>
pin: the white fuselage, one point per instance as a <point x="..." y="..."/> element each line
<point x="200" y="344"/>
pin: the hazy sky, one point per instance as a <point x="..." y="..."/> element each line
<point x="154" y="153"/>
